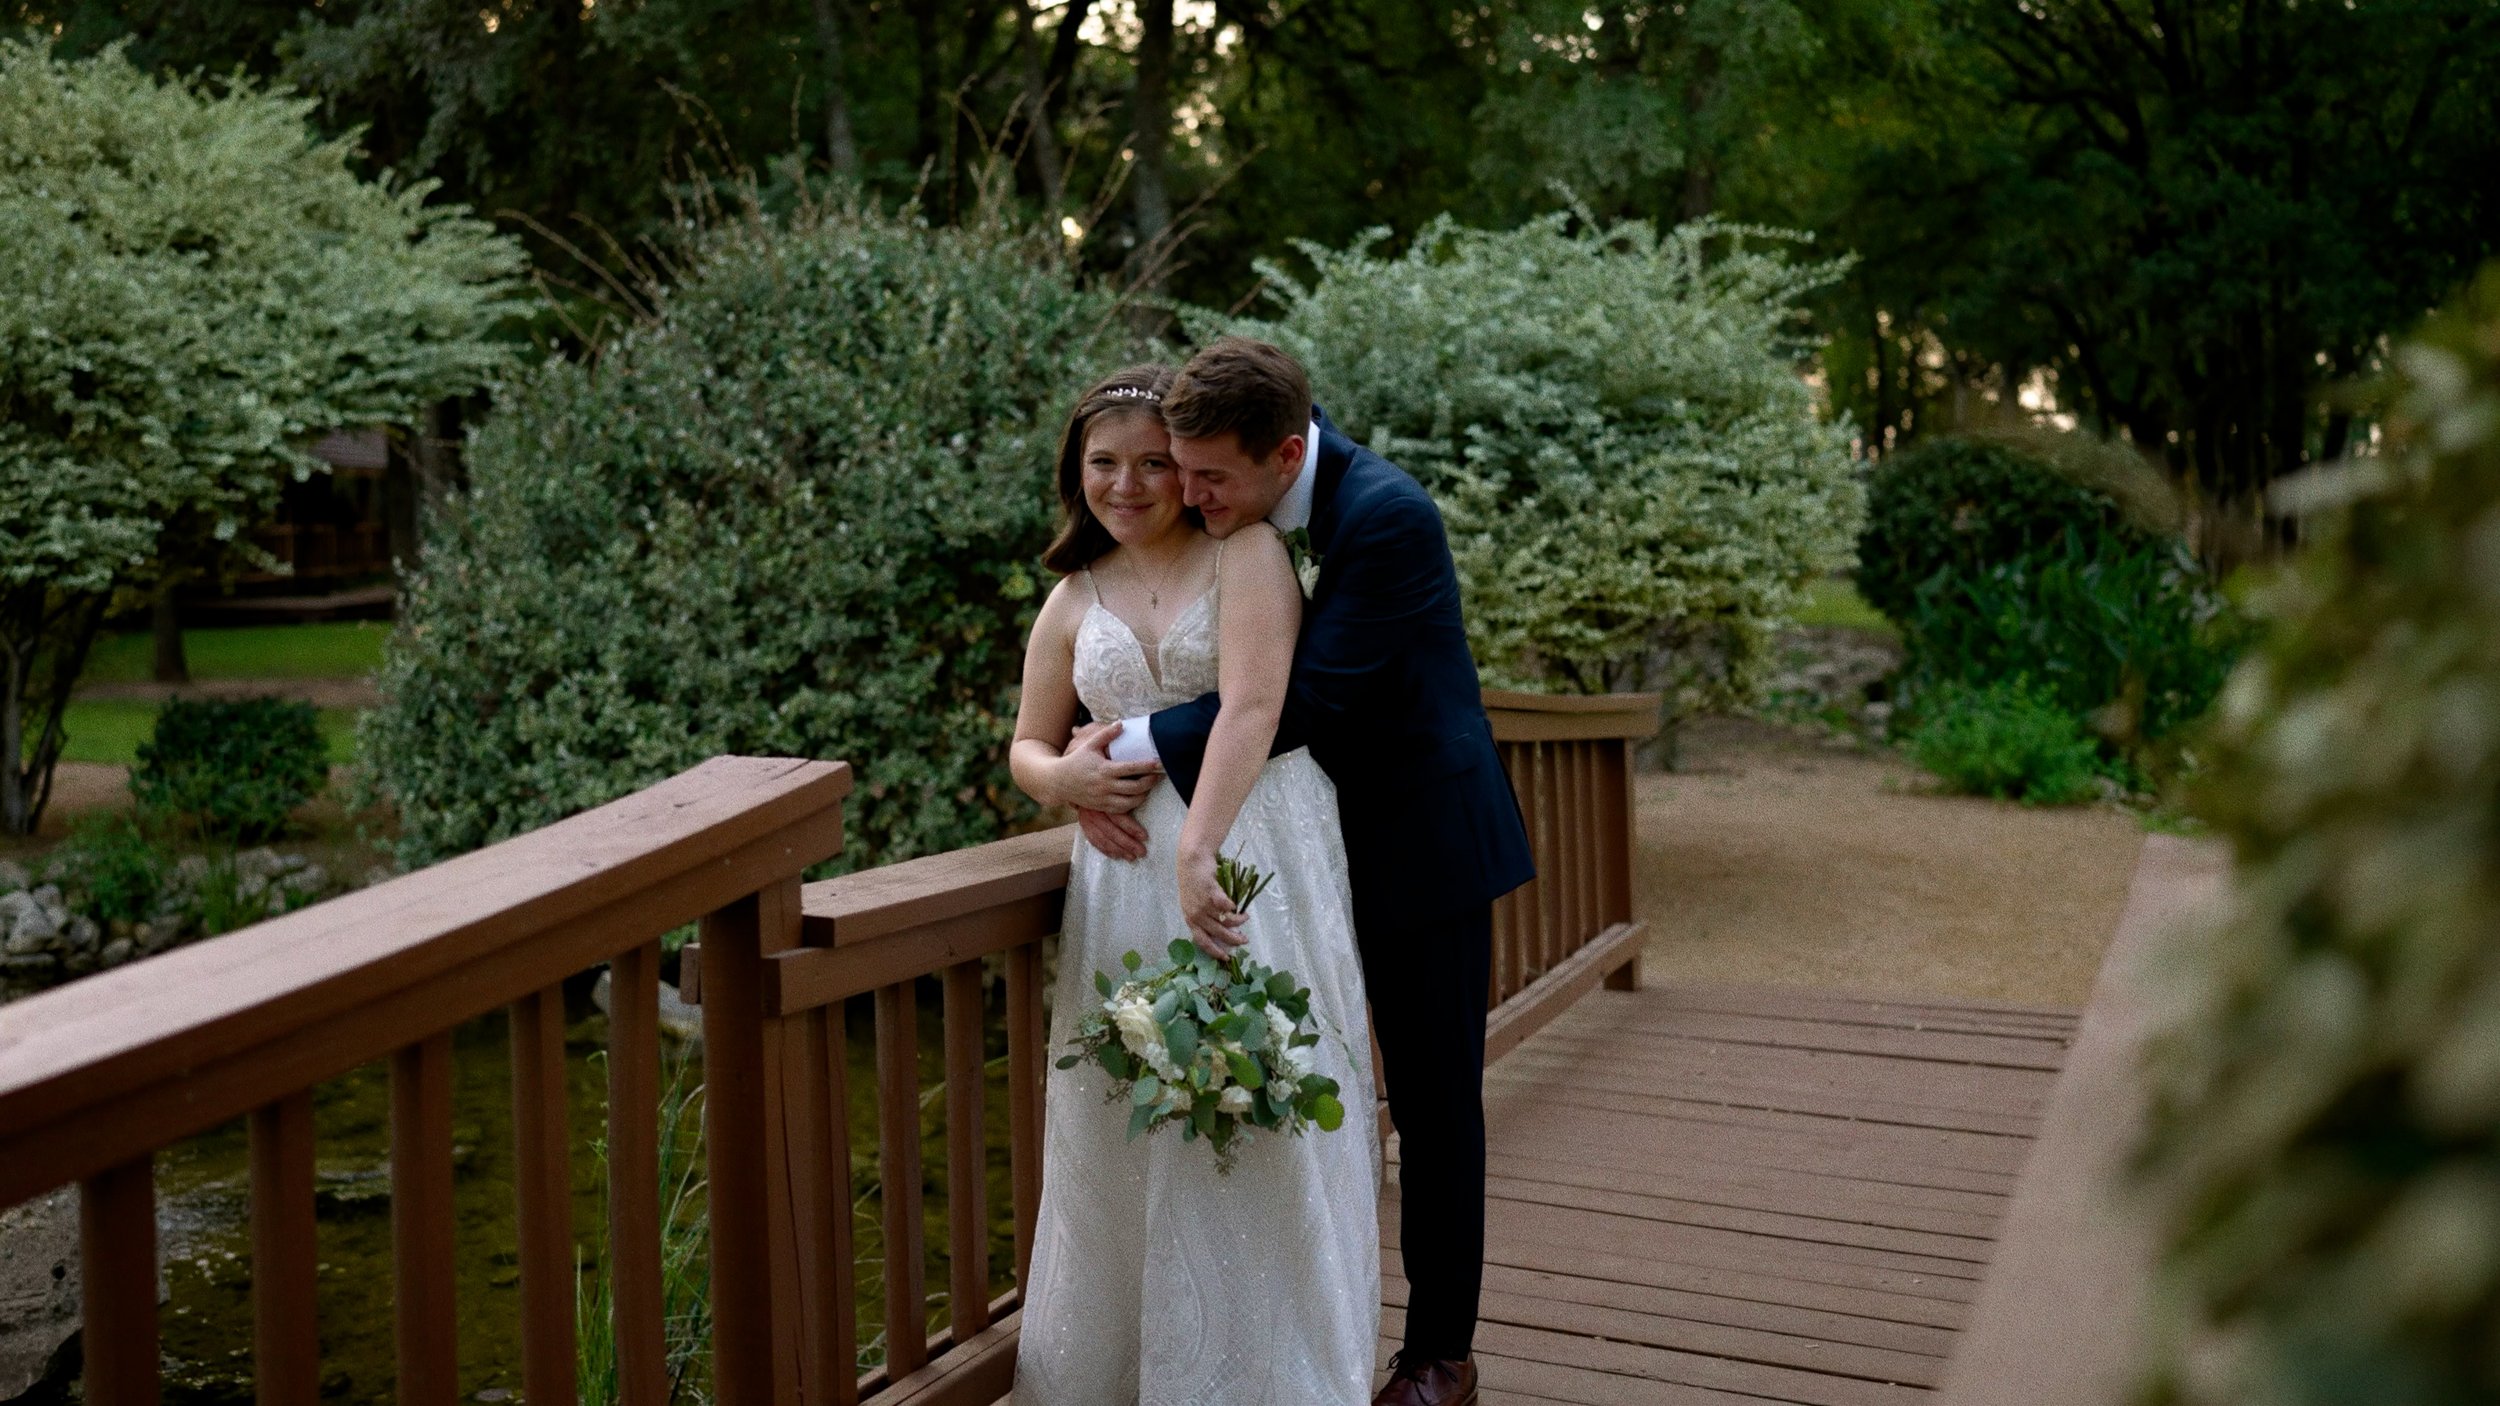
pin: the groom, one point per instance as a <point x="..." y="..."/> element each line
<point x="1384" y="693"/>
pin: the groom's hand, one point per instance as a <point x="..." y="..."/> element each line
<point x="1090" y="780"/>
<point x="1211" y="916"/>
<point x="1119" y="836"/>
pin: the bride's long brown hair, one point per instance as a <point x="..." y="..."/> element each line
<point x="1131" y="390"/>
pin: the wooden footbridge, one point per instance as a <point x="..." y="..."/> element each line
<point x="1700" y="1197"/>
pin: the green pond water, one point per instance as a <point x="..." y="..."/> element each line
<point x="204" y="1192"/>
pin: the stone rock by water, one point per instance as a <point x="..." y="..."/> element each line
<point x="38" y="1286"/>
<point x="677" y="1019"/>
<point x="33" y="926"/>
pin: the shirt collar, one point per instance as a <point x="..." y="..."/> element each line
<point x="1294" y="509"/>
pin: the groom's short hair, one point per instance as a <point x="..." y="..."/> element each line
<point x="1240" y="386"/>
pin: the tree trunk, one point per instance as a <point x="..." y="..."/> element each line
<point x="165" y="624"/>
<point x="1150" y="111"/>
<point x="1701" y="177"/>
<point x="436" y="459"/>
<point x="16" y="815"/>
<point x="1049" y="163"/>
<point x="27" y="763"/>
<point x="841" y="147"/>
<point x="926" y="140"/>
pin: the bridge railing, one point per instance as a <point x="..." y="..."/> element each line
<point x="99" y="1076"/>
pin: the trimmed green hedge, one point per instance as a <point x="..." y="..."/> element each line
<point x="1968" y="505"/>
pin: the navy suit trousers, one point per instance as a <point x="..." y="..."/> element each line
<point x="1426" y="984"/>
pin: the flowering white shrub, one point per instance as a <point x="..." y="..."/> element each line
<point x="1636" y="482"/>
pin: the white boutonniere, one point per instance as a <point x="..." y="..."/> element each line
<point x="1305" y="561"/>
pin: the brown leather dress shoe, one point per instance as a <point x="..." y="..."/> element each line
<point x="1429" y="1383"/>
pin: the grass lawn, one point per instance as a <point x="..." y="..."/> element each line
<point x="334" y="649"/>
<point x="109" y="730"/>
<point x="1834" y="600"/>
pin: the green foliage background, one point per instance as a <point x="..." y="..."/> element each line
<point x="2177" y="220"/>
<point x="197" y="283"/>
<point x="2326" y="1152"/>
<point x="1636" y="482"/>
<point x="795" y="513"/>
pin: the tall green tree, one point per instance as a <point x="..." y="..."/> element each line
<point x="2213" y="209"/>
<point x="197" y="284"/>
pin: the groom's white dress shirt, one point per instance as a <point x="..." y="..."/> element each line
<point x="1136" y="742"/>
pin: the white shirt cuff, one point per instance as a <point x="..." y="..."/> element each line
<point x="1136" y="743"/>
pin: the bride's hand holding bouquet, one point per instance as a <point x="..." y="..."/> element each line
<point x="1216" y="1045"/>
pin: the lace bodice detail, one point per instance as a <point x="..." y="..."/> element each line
<point x="1113" y="678"/>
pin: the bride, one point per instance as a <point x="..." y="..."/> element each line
<point x="1154" y="1279"/>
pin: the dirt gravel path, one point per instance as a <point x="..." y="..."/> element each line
<point x="1774" y="858"/>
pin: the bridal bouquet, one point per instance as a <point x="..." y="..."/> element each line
<point x="1217" y="1047"/>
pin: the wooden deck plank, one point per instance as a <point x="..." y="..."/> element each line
<point x="1666" y="1055"/>
<point x="1921" y="1157"/>
<point x="1856" y="1100"/>
<point x="1594" y="1283"/>
<point x="1633" y="1325"/>
<point x="1712" y="1174"/>
<point x="1729" y="1197"/>
<point x="1796" y="1033"/>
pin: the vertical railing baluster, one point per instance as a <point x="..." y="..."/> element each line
<point x="1592" y="843"/>
<point x="1551" y="883"/>
<point x="967" y="1161"/>
<point x="1025" y="1065"/>
<point x="117" y="1289"/>
<point x="755" y="1271"/>
<point x="1567" y="844"/>
<point x="635" y="1302"/>
<point x="836" y="1316"/>
<point x="1531" y="932"/>
<point x="1618" y="807"/>
<point x="543" y="1188"/>
<point x="898" y="1131"/>
<point x="819" y="1202"/>
<point x="286" y="1343"/>
<point x="425" y="1293"/>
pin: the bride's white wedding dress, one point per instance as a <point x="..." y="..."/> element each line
<point x="1155" y="1280"/>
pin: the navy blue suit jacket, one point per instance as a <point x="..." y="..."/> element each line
<point x="1385" y="695"/>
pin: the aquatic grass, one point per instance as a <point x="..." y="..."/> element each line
<point x="685" y="1256"/>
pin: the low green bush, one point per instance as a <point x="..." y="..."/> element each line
<point x="2121" y="631"/>
<point x="1963" y="506"/>
<point x="235" y="769"/>
<point x="109" y="869"/>
<point x="2324" y="1158"/>
<point x="2009" y="740"/>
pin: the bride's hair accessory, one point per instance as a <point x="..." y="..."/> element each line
<point x="1151" y="397"/>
